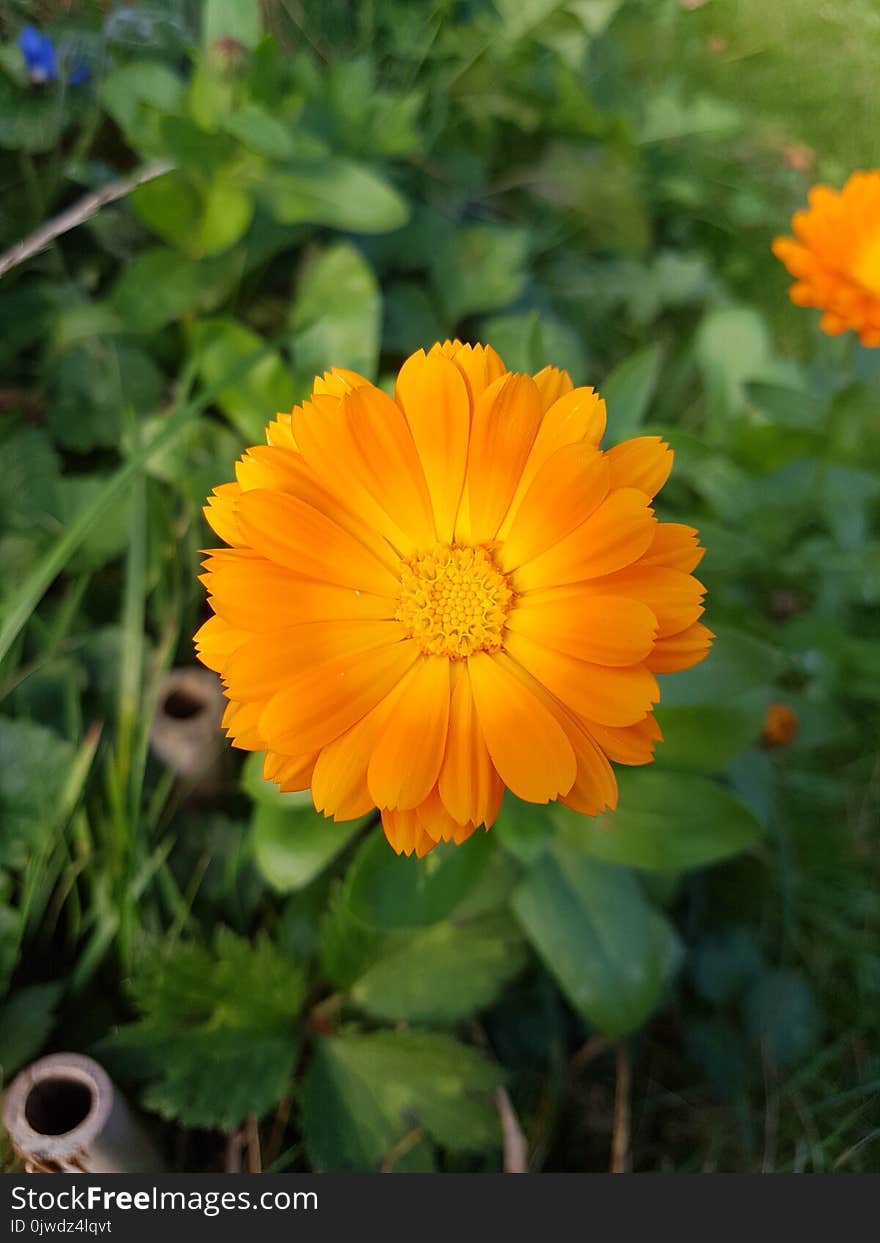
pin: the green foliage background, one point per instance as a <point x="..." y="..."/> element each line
<point x="593" y="183"/>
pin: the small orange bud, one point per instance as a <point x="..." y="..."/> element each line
<point x="780" y="726"/>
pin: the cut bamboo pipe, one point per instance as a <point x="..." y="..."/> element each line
<point x="64" y="1116"/>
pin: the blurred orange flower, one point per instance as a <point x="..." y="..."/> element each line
<point x="835" y="256"/>
<point x="432" y="597"/>
<point x="780" y="726"/>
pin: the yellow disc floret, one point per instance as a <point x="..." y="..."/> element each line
<point x="454" y="601"/>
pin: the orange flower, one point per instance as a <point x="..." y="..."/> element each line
<point x="836" y="258"/>
<point x="780" y="726"/>
<point x="431" y="597"/>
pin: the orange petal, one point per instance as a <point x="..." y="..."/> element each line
<point x="566" y="490"/>
<point x="325" y="700"/>
<point x="257" y="595"/>
<point x="528" y="746"/>
<point x="607" y="630"/>
<point x="215" y="642"/>
<point x="407" y="757"/>
<point x="220" y="513"/>
<point x="290" y="773"/>
<point x="265" y="662"/>
<point x="505" y="421"/>
<point x="437" y="822"/>
<point x="480" y="365"/>
<point x="405" y="833"/>
<point x="392" y="470"/>
<point x="675" y="546"/>
<point x="338" y="381"/>
<point x="615" y="535"/>
<point x="595" y="786"/>
<point x="295" y="535"/>
<point x="434" y="397"/>
<point x="241" y="724"/>
<point x="324" y="435"/>
<point x="682" y="650"/>
<point x="339" y="782"/>
<point x="675" y="599"/>
<point x="577" y="415"/>
<point x="552" y="383"/>
<point x="469" y="786"/>
<point x="644" y="463"/>
<point x="628" y="744"/>
<point x="612" y="696"/>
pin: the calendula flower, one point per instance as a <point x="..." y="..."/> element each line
<point x="432" y="597"/>
<point x="835" y="256"/>
<point x="780" y="726"/>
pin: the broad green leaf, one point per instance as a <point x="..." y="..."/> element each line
<point x="292" y="842"/>
<point x="197" y="222"/>
<point x="262" y="132"/>
<point x="333" y="192"/>
<point x="252" y="401"/>
<point x="161" y="285"/>
<point x="732" y="347"/>
<point x="292" y="845"/>
<point x="737" y="664"/>
<point x="442" y="974"/>
<point x="226" y="215"/>
<point x="31" y="120"/>
<point x="664" y="822"/>
<point x="217" y="1033"/>
<point x="34" y="765"/>
<point x="525" y="829"/>
<point x="26" y="1021"/>
<point x="610" y="951"/>
<point x="628" y="391"/>
<point x="480" y="268"/>
<point x="363" y="1093"/>
<point x="232" y="19"/>
<point x="706" y="737"/>
<point x="212" y="1078"/>
<point x="336" y="314"/>
<point x="135" y="95"/>
<point x="386" y="890"/>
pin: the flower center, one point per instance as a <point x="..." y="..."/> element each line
<point x="866" y="267"/>
<point x="454" y="601"/>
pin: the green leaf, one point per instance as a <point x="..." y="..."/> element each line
<point x="665" y="822"/>
<point x="707" y="737"/>
<point x="732" y="347"/>
<point x="262" y="132"/>
<point x="334" y="192"/>
<point x="254" y="398"/>
<point x="226" y="216"/>
<point x="293" y="845"/>
<point x="161" y="285"/>
<point x="363" y="1093"/>
<point x="525" y="829"/>
<point x="198" y="223"/>
<point x="34" y="765"/>
<point x="136" y="95"/>
<point x="443" y="974"/>
<point x="26" y="1021"/>
<point x="609" y="950"/>
<point x="232" y="19"/>
<point x="386" y="890"/>
<point x="737" y="665"/>
<point x="628" y="391"/>
<point x="217" y="1033"/>
<point x="336" y="314"/>
<point x="30" y="120"/>
<point x="480" y="268"/>
<point x="213" y="1078"/>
